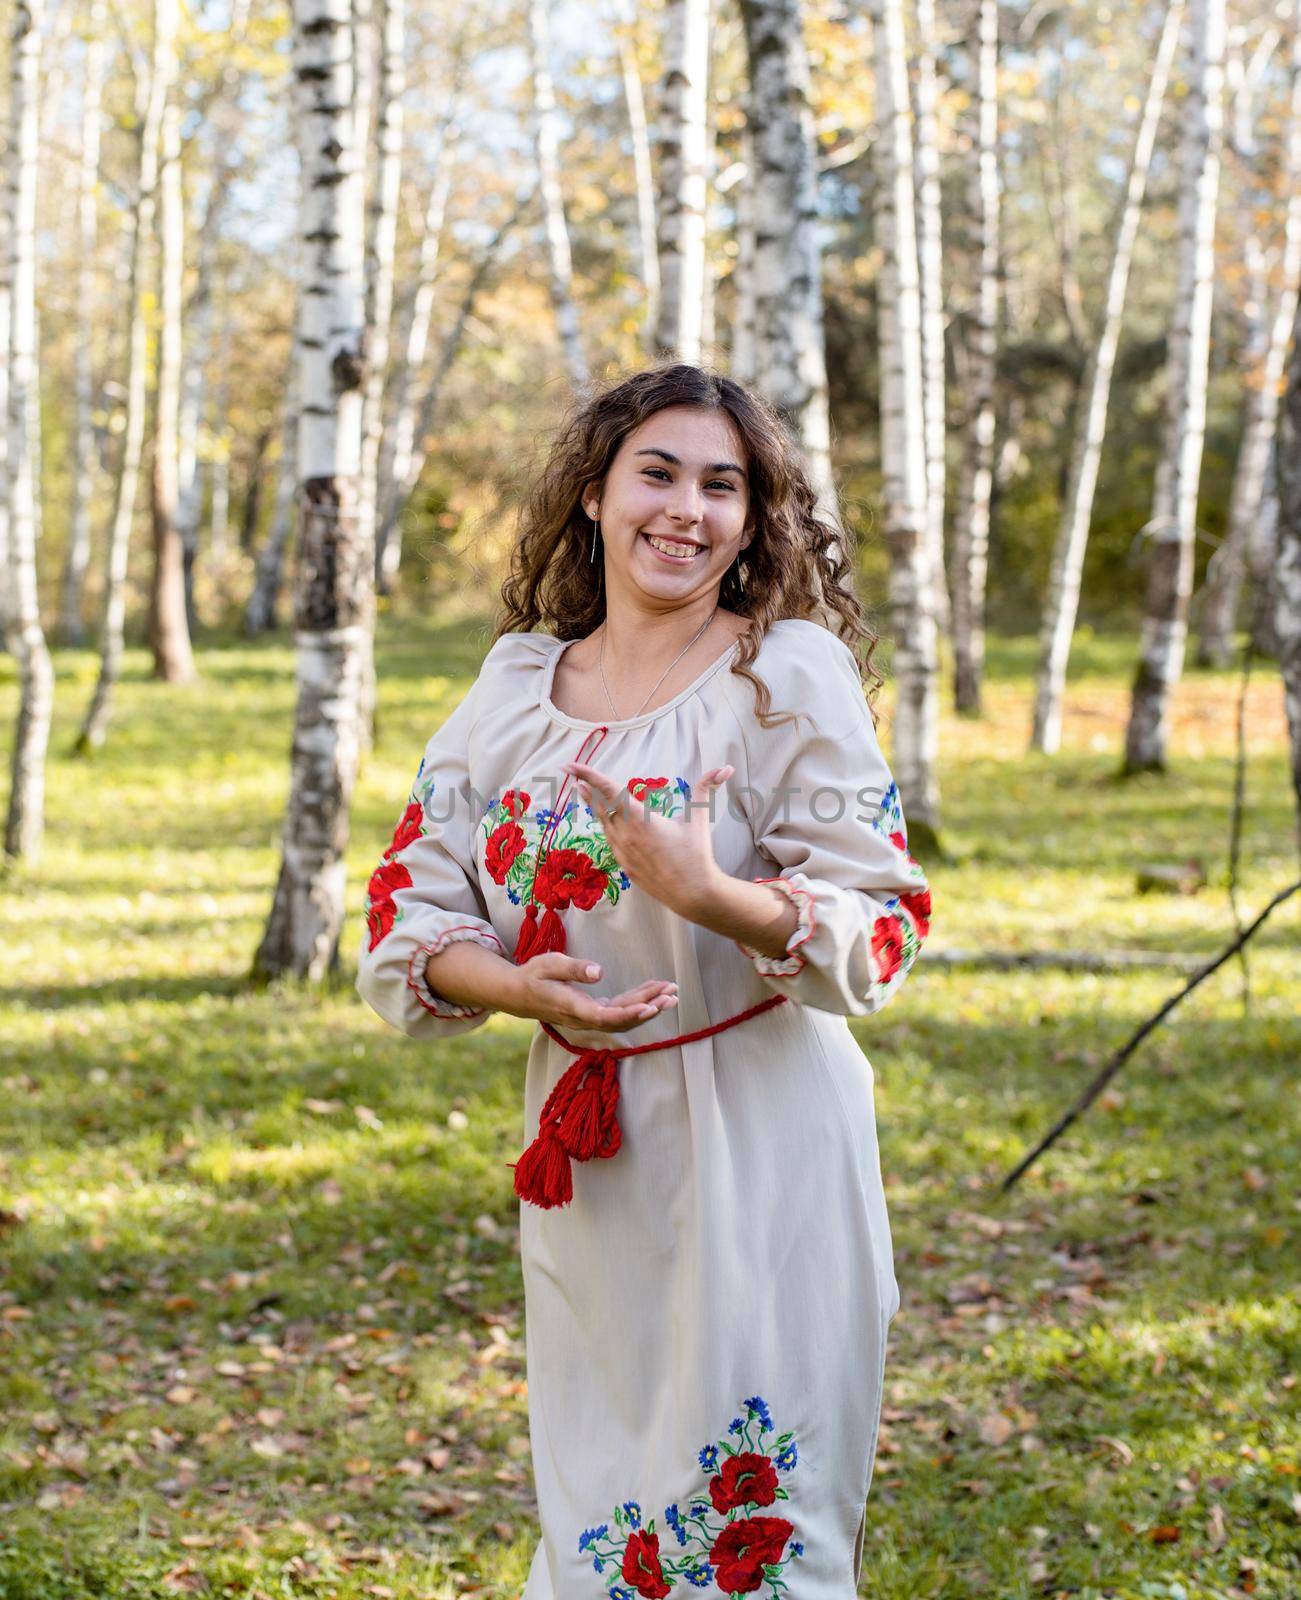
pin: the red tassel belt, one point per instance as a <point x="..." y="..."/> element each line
<point x="580" y="1118"/>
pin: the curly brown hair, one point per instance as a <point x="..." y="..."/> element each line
<point x="794" y="557"/>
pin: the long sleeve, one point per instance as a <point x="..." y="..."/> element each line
<point x="827" y="813"/>
<point x="425" y="893"/>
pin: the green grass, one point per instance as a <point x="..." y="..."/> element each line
<point x="261" y="1321"/>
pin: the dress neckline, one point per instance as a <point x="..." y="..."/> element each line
<point x="552" y="710"/>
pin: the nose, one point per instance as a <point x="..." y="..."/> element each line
<point x="685" y="507"/>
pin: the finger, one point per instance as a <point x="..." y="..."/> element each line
<point x="555" y="964"/>
<point x="650" y="990"/>
<point x="594" y="778"/>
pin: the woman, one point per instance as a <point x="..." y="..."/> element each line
<point x="709" y="1284"/>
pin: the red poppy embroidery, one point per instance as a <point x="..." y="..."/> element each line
<point x="917" y="903"/>
<point x="577" y="867"/>
<point x="720" y="1543"/>
<point x="887" y="946"/>
<point x="504" y="845"/>
<point x="391" y="875"/>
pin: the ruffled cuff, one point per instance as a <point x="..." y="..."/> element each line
<point x="420" y="958"/>
<point x="794" y="960"/>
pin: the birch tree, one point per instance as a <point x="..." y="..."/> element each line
<point x="930" y="262"/>
<point x="1287" y="603"/>
<point x="1062" y="605"/>
<point x="1251" y="485"/>
<point x="789" y="345"/>
<point x="682" y="178"/>
<point x="169" y="631"/>
<point x="76" y="562"/>
<point x="971" y="533"/>
<point x="381" y="242"/>
<point x="903" y="437"/>
<point x="1174" y="515"/>
<point x="743" y="303"/>
<point x="400" y="434"/>
<point x="335" y="569"/>
<point x="625" y="30"/>
<point x="25" y="822"/>
<point x="139" y="226"/>
<point x="553" y="206"/>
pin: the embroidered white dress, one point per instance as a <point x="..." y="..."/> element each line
<point x="706" y="1320"/>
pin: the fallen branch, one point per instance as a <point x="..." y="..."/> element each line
<point x="1123" y="1054"/>
<point x="1071" y="960"/>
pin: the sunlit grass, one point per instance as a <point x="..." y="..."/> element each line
<point x="261" y="1322"/>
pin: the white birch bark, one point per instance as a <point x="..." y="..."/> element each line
<point x="139" y="227"/>
<point x="1287" y="573"/>
<point x="223" y="113"/>
<point x="1174" y="517"/>
<point x="553" y="205"/>
<point x="971" y="533"/>
<point x="643" y="172"/>
<point x="335" y="571"/>
<point x="684" y="90"/>
<point x="72" y="628"/>
<point x="790" y="350"/>
<point x="1062" y="605"/>
<point x="168" y="623"/>
<point x="743" y="296"/>
<point x="930" y="259"/>
<point x="402" y="432"/>
<point x="25" y="820"/>
<point x="381" y="243"/>
<point x="1220" y="595"/>
<point x="903" y="436"/>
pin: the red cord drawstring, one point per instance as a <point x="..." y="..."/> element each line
<point x="580" y="1118"/>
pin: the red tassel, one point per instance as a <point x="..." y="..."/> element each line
<point x="543" y="1174"/>
<point x="551" y="933"/>
<point x="579" y="1120"/>
<point x="535" y="938"/>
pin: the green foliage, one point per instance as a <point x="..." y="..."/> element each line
<point x="261" y="1320"/>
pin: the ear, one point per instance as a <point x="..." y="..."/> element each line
<point x="591" y="502"/>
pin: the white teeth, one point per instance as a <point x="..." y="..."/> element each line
<point x="672" y="549"/>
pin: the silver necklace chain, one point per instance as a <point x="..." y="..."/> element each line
<point x="601" y="669"/>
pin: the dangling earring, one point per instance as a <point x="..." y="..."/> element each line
<point x="740" y="575"/>
<point x="592" y="555"/>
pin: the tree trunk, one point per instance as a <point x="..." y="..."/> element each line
<point x="138" y="227"/>
<point x="335" y="571"/>
<point x="553" y="205"/>
<point x="1219" y="607"/>
<point x="1287" y="608"/>
<point x="790" y="350"/>
<point x="1174" y="516"/>
<point x="381" y="243"/>
<point x="406" y="380"/>
<point x="1062" y="605"/>
<point x="25" y="823"/>
<point x="684" y="93"/>
<point x="169" y="632"/>
<point x="930" y="260"/>
<point x="903" y="434"/>
<point x="743" y="297"/>
<point x="269" y="577"/>
<point x="971" y="535"/>
<point x="72" y="628"/>
<point x="643" y="171"/>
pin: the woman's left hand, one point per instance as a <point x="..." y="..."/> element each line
<point x="671" y="858"/>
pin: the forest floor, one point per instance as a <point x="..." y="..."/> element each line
<point x="261" y="1319"/>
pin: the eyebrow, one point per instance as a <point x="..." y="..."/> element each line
<point x="714" y="466"/>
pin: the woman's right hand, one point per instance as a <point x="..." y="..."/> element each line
<point x="549" y="992"/>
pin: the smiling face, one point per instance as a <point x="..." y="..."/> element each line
<point x="674" y="506"/>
